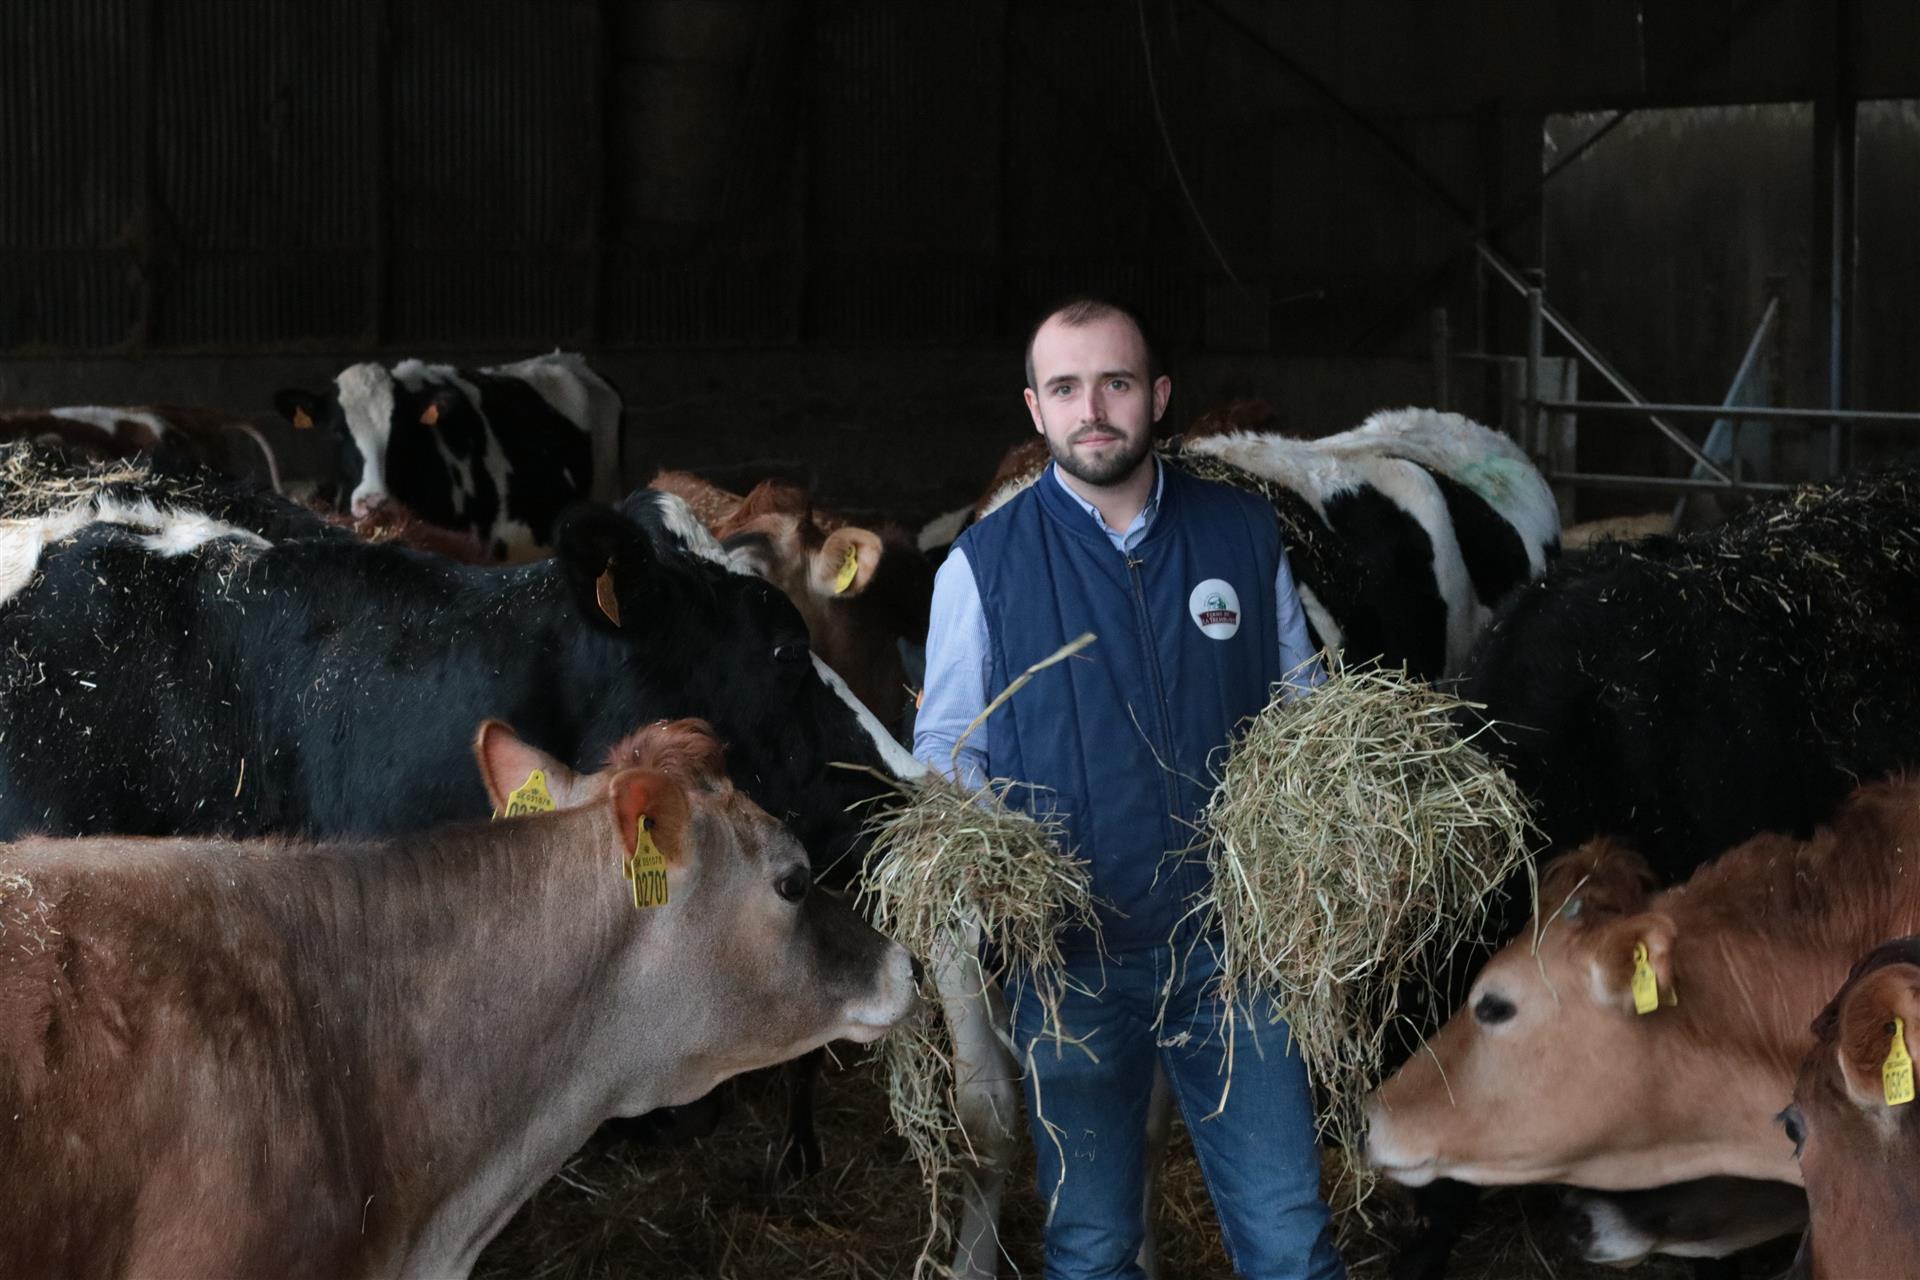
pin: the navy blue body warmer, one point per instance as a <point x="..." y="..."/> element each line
<point x="1122" y="742"/>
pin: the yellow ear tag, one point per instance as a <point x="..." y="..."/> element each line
<point x="1646" y="987"/>
<point x="1896" y="1073"/>
<point x="849" y="570"/>
<point x="531" y="797"/>
<point x="646" y="870"/>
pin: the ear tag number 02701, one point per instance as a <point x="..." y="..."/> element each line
<point x="849" y="570"/>
<point x="1896" y="1073"/>
<point x="531" y="796"/>
<point x="646" y="870"/>
<point x="1646" y="987"/>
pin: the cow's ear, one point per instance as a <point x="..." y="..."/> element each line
<point x="507" y="765"/>
<point x="845" y="563"/>
<point x="1601" y="878"/>
<point x="303" y="409"/>
<point x="442" y="402"/>
<point x="650" y="810"/>
<point x="1873" y="1007"/>
<point x="617" y="580"/>
<point x="1632" y="963"/>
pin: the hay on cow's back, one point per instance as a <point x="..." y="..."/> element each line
<point x="36" y="481"/>
<point x="1358" y="841"/>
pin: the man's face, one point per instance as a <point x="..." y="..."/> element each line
<point x="1092" y="399"/>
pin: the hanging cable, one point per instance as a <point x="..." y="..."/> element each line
<point x="1173" y="158"/>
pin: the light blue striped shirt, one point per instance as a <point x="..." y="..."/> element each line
<point x="957" y="646"/>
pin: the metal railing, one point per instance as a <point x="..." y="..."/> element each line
<point x="1709" y="473"/>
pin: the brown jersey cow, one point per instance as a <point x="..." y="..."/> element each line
<point x="1856" y="1123"/>
<point x="262" y="1058"/>
<point x="1550" y="1074"/>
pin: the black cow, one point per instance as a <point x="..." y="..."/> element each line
<point x="1686" y="693"/>
<point x="173" y="670"/>
<point x="495" y="452"/>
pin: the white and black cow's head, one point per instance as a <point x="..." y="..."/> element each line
<point x="420" y="435"/>
<point x="729" y="647"/>
<point x="364" y="412"/>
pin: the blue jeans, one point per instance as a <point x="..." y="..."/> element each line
<point x="1088" y="1103"/>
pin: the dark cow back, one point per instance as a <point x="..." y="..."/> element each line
<point x="311" y="682"/>
<point x="1690" y="692"/>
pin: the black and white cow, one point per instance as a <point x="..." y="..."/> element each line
<point x="241" y="667"/>
<point x="1403" y="533"/>
<point x="495" y="452"/>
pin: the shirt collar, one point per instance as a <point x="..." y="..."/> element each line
<point x="1146" y="513"/>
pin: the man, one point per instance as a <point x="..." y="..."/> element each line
<point x="1187" y="586"/>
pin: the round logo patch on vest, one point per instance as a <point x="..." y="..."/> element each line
<point x="1215" y="607"/>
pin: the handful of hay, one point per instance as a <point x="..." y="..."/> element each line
<point x="1359" y="840"/>
<point x="952" y="871"/>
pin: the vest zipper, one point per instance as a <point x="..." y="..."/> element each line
<point x="1164" y="750"/>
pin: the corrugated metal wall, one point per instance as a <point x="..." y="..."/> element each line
<point x="200" y="173"/>
<point x="263" y="187"/>
<point x="70" y="129"/>
<point x="256" y="175"/>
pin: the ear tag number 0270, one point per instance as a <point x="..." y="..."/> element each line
<point x="1646" y="987"/>
<point x="849" y="570"/>
<point x="531" y="796"/>
<point x="646" y="870"/>
<point x="1896" y="1073"/>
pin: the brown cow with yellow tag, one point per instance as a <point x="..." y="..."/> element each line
<point x="275" y="1058"/>
<point x="861" y="592"/>
<point x="1856" y="1126"/>
<point x="1554" y="1072"/>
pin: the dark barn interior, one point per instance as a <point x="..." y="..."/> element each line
<point x="807" y="239"/>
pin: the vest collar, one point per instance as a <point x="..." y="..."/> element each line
<point x="1083" y="519"/>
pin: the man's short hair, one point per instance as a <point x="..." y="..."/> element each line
<point x="1079" y="311"/>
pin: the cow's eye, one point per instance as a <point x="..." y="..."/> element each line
<point x="1491" y="1010"/>
<point x="1796" y="1128"/>
<point x="794" y="884"/>
<point x="794" y="653"/>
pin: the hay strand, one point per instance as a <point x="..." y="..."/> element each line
<point x="955" y="875"/>
<point x="1359" y="841"/>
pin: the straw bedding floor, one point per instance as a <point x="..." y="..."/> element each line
<point x="708" y="1210"/>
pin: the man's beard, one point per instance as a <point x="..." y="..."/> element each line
<point x="1100" y="471"/>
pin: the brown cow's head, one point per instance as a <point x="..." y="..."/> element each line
<point x="1549" y="1073"/>
<point x="859" y="593"/>
<point x="780" y="967"/>
<point x="1856" y="1142"/>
